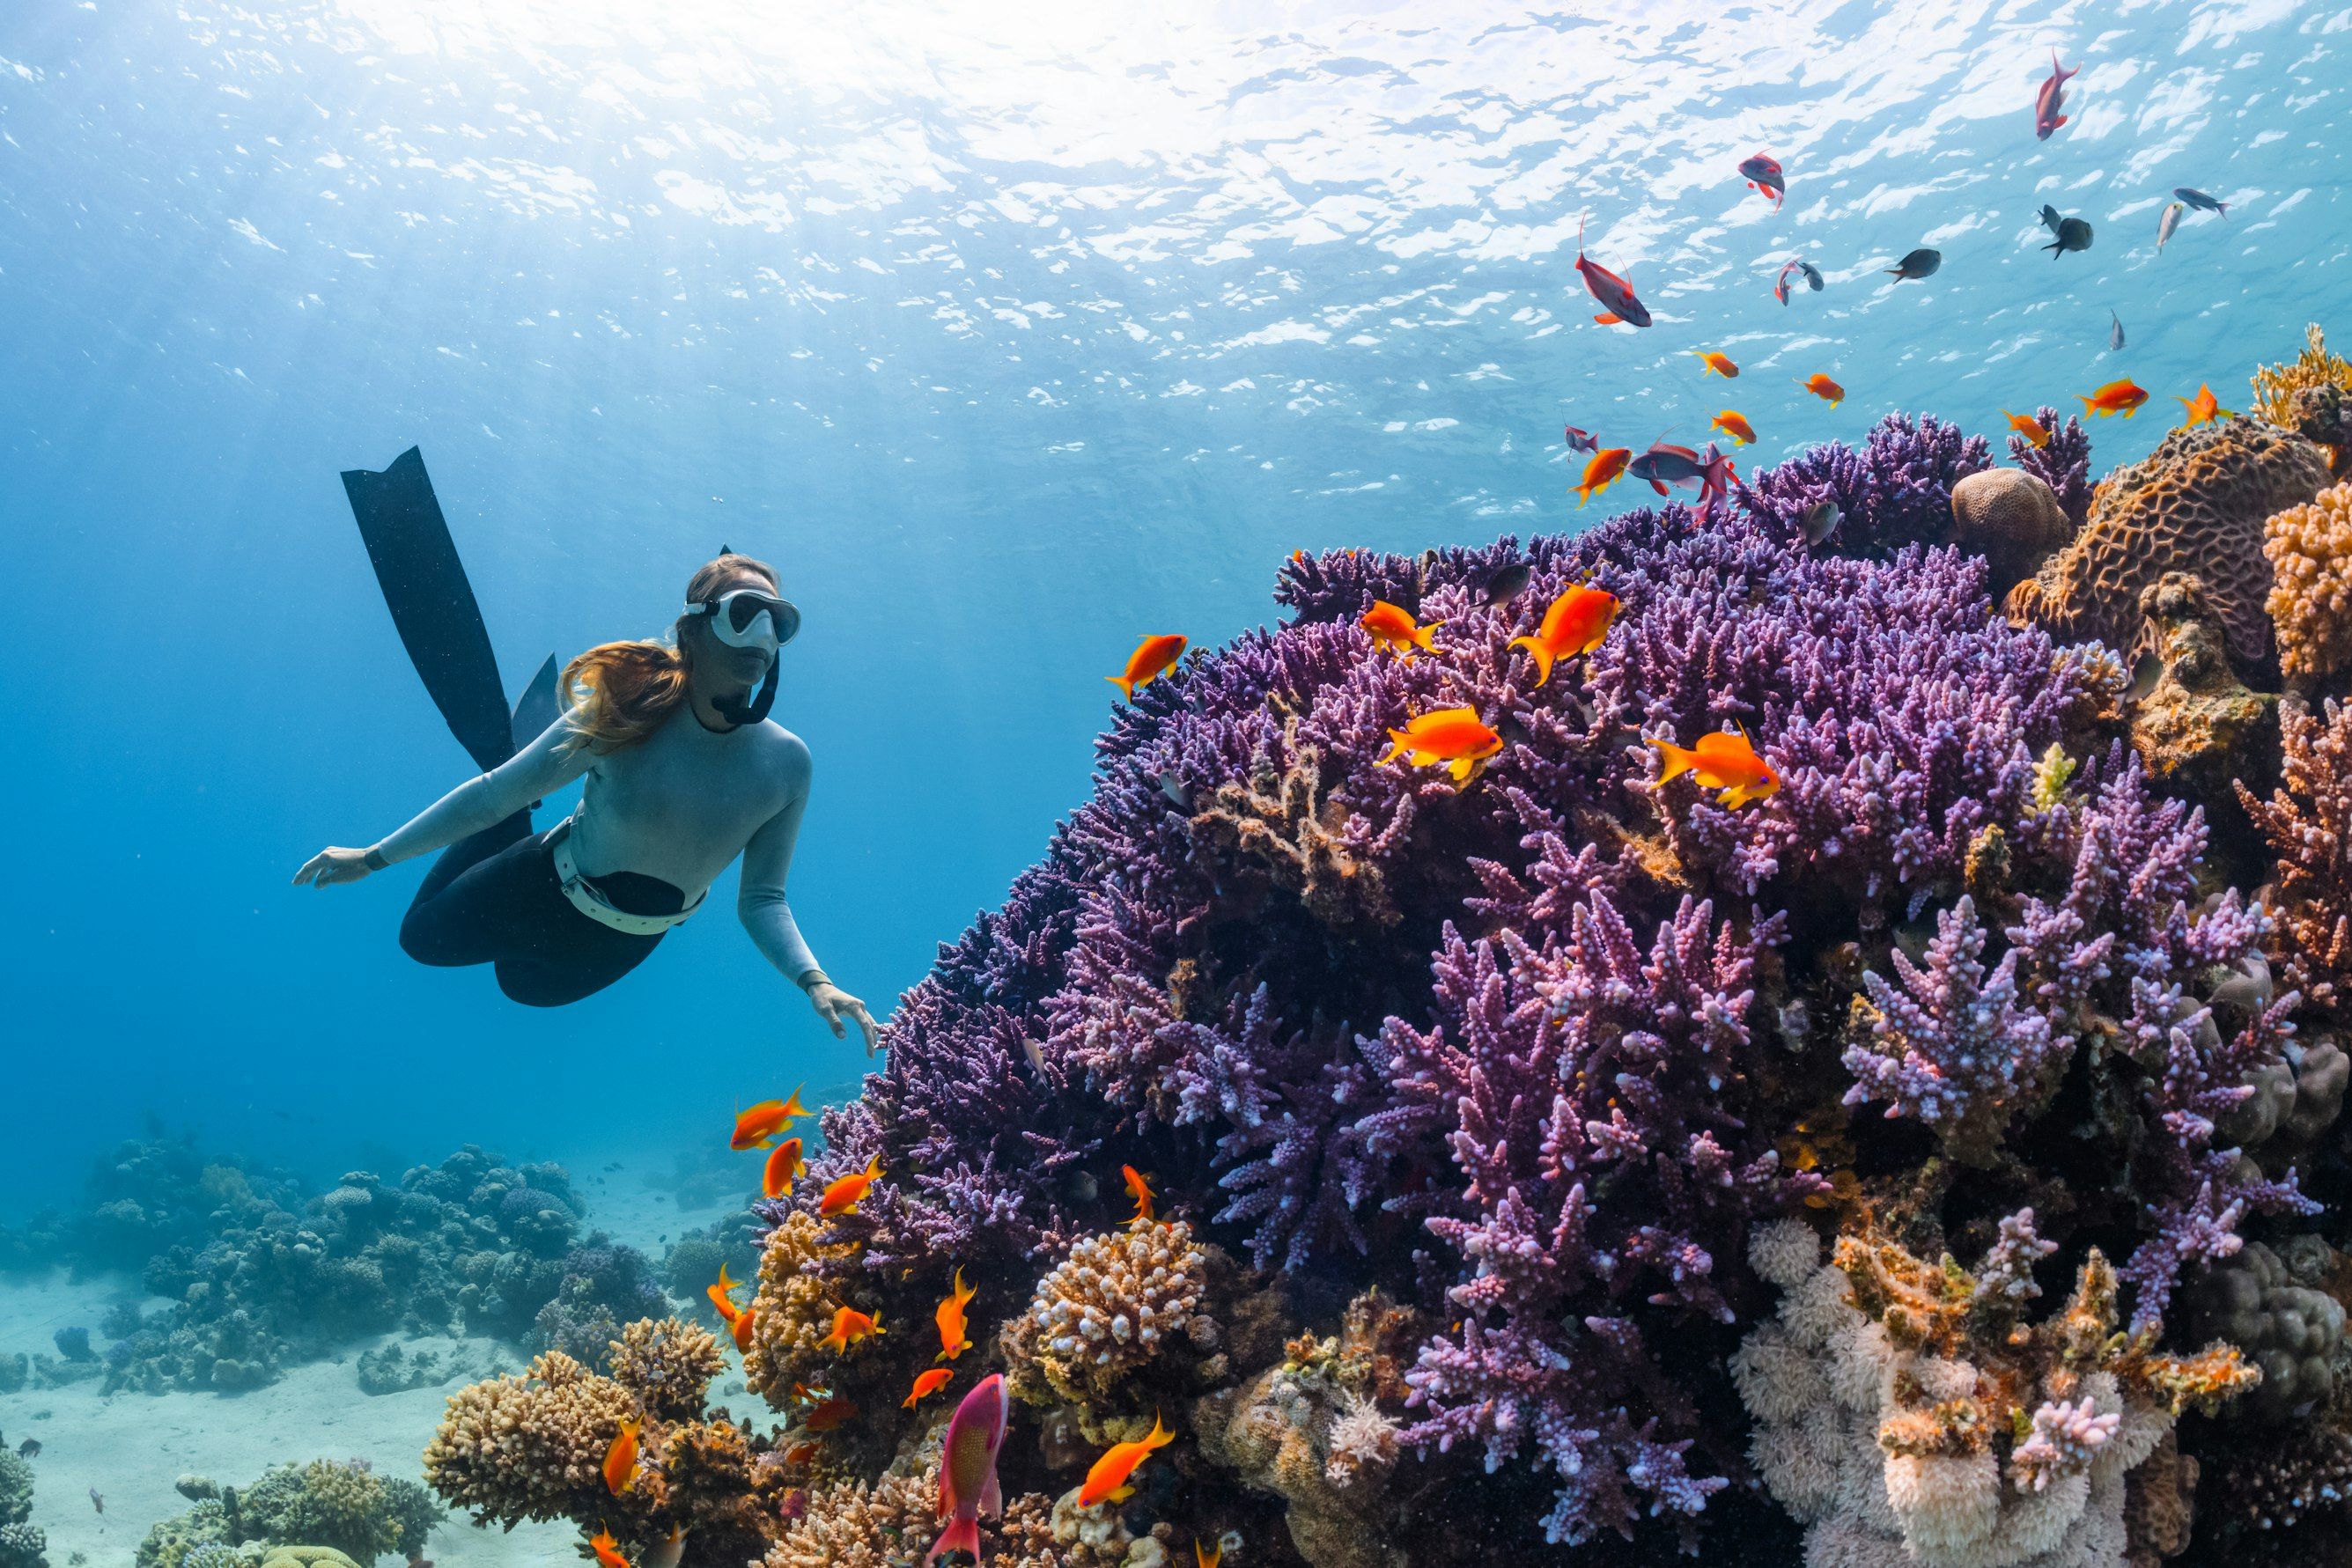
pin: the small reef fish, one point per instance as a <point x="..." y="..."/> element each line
<point x="668" y="1553"/>
<point x="608" y="1550"/>
<point x="784" y="1167"/>
<point x="30" y="1448"/>
<point x="1715" y="473"/>
<point x="1393" y="629"/>
<point x="1139" y="1189"/>
<point x="621" y="1458"/>
<point x="1508" y="582"/>
<point x="762" y="1122"/>
<point x="722" y="1295"/>
<point x="2036" y="433"/>
<point x="1734" y="423"/>
<point x="2200" y="201"/>
<point x="1603" y="471"/>
<point x="927" y="1384"/>
<point x="97" y="1501"/>
<point x="1108" y="1478"/>
<point x="954" y="1335"/>
<point x="1575" y="623"/>
<point x="1179" y="797"/>
<point x="2146" y="673"/>
<point x="1450" y="737"/>
<point x="1763" y="172"/>
<point x="1821" y="520"/>
<point x="1810" y="274"/>
<point x="743" y="1328"/>
<point x="967" y="1486"/>
<point x="1723" y="759"/>
<point x="1153" y="657"/>
<point x="1208" y="1556"/>
<point x="1920" y="263"/>
<point x="829" y="1413"/>
<point x="843" y="1196"/>
<point x="1719" y="364"/>
<point x="1616" y="295"/>
<point x="2073" y="234"/>
<point x="2051" y="99"/>
<point x="850" y="1327"/>
<point x="2117" y="397"/>
<point x="1582" y="440"/>
<point x="2203" y="408"/>
<point x="1664" y="465"/>
<point x="1822" y="387"/>
<point x="801" y="1453"/>
<point x="2115" y="331"/>
<point x="2167" y="224"/>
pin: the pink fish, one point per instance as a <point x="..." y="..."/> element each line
<point x="968" y="1486"/>
<point x="1616" y="295"/>
<point x="1763" y="172"/>
<point x="1715" y="473"/>
<point x="1582" y="440"/>
<point x="2052" y="98"/>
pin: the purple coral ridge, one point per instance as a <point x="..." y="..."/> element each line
<point x="2064" y="463"/>
<point x="1897" y="489"/>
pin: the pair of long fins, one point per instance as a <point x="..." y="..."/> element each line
<point x="433" y="608"/>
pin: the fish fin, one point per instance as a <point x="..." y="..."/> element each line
<point x="1462" y="769"/>
<point x="1121" y="1495"/>
<point x="961" y="1535"/>
<point x="1422" y="638"/>
<point x="1661" y="490"/>
<point x="1125" y="686"/>
<point x="1397" y="743"/>
<point x="2059" y="121"/>
<point x="1607" y="318"/>
<point x="1678" y="759"/>
<point x="991" y="1496"/>
<point x="1539" y="654"/>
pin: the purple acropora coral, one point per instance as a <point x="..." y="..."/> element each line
<point x="2064" y="463"/>
<point x="1504" y="1045"/>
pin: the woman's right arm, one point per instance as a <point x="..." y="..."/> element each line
<point x="538" y="770"/>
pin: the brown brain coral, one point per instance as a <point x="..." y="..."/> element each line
<point x="667" y="1364"/>
<point x="1106" y="1311"/>
<point x="528" y="1447"/>
<point x="2197" y="505"/>
<point x="2009" y="517"/>
<point x="2310" y="551"/>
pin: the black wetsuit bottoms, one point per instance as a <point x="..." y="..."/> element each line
<point x="494" y="898"/>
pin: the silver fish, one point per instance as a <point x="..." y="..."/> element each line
<point x="1173" y="788"/>
<point x="97" y="1501"/>
<point x="1822" y="519"/>
<point x="1507" y="583"/>
<point x="2200" y="201"/>
<point x="2114" y="330"/>
<point x="2166" y="225"/>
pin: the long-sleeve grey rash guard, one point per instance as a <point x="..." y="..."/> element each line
<point x="678" y="805"/>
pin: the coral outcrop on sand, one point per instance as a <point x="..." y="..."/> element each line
<point x="1557" y="1164"/>
<point x="343" y="1511"/>
<point x="22" y="1542"/>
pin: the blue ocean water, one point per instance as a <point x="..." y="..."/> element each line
<point x="1011" y="333"/>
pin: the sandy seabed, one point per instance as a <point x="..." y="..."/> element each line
<point x="132" y="1447"/>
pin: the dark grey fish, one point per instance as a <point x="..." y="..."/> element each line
<point x="1663" y="465"/>
<point x="2114" y="330"/>
<point x="97" y="1501"/>
<point x="1822" y="519"/>
<point x="1920" y="263"/>
<point x="2166" y="225"/>
<point x="29" y="1449"/>
<point x="2072" y="233"/>
<point x="1813" y="275"/>
<point x="1508" y="582"/>
<point x="2145" y="676"/>
<point x="2049" y="218"/>
<point x="2200" y="201"/>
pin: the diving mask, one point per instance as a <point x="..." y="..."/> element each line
<point x="747" y="618"/>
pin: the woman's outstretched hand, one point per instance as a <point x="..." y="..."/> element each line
<point x="832" y="1005"/>
<point x="332" y="866"/>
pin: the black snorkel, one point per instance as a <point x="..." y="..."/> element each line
<point x="739" y="713"/>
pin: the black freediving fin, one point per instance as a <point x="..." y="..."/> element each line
<point x="535" y="709"/>
<point x="433" y="605"/>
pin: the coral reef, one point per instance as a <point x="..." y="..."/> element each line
<point x="2304" y="821"/>
<point x="341" y="1509"/>
<point x="2062" y="463"/>
<point x="2198" y="727"/>
<point x="2310" y="551"/>
<point x="2012" y="518"/>
<point x="22" y="1542"/>
<point x="1103" y="1314"/>
<point x="2197" y="505"/>
<point x="2311" y="396"/>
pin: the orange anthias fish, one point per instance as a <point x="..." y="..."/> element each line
<point x="1451" y="736"/>
<point x="830" y="1412"/>
<point x="1108" y="1480"/>
<point x="2203" y="408"/>
<point x="1208" y="1556"/>
<point x="784" y="1167"/>
<point x="1734" y="423"/>
<point x="1719" y="364"/>
<point x="762" y="1122"/>
<point x="1723" y="759"/>
<point x="2122" y="397"/>
<point x="928" y="1382"/>
<point x="1576" y="623"/>
<point x="1822" y="387"/>
<point x="844" y="1196"/>
<point x="2025" y="424"/>
<point x="741" y="1328"/>
<point x="1393" y="629"/>
<point x="1153" y="657"/>
<point x="1139" y="1189"/>
<point x="722" y="1295"/>
<point x="608" y="1550"/>
<point x="953" y="1339"/>
<point x="850" y="1327"/>
<point x="621" y="1460"/>
<point x="1601" y="470"/>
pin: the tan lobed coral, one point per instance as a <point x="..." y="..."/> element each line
<point x="2197" y="505"/>
<point x="1284" y="825"/>
<point x="2198" y="725"/>
<point x="2311" y="396"/>
<point x="2011" y="519"/>
<point x="2310" y="551"/>
<point x="2304" y="821"/>
<point x="1118" y="1304"/>
<point x="668" y="1365"/>
<point x="794" y="1306"/>
<point x="529" y="1447"/>
<point x="1911" y="1419"/>
<point x="893" y="1521"/>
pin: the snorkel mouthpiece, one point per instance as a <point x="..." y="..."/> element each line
<point x="739" y="713"/>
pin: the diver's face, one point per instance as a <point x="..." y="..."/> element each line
<point x="731" y="665"/>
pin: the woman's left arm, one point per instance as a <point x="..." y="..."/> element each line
<point x="761" y="904"/>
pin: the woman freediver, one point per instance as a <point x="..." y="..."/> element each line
<point x="685" y="771"/>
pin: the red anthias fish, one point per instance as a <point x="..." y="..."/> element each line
<point x="1582" y="440"/>
<point x="968" y="1486"/>
<point x="1616" y="295"/>
<point x="1762" y="172"/>
<point x="2052" y="98"/>
<point x="1664" y="465"/>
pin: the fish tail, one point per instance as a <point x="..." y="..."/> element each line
<point x="2089" y="406"/>
<point x="1422" y="639"/>
<point x="1398" y="742"/>
<point x="961" y="1535"/>
<point x="1125" y="685"/>
<point x="1539" y="654"/>
<point x="1678" y="759"/>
